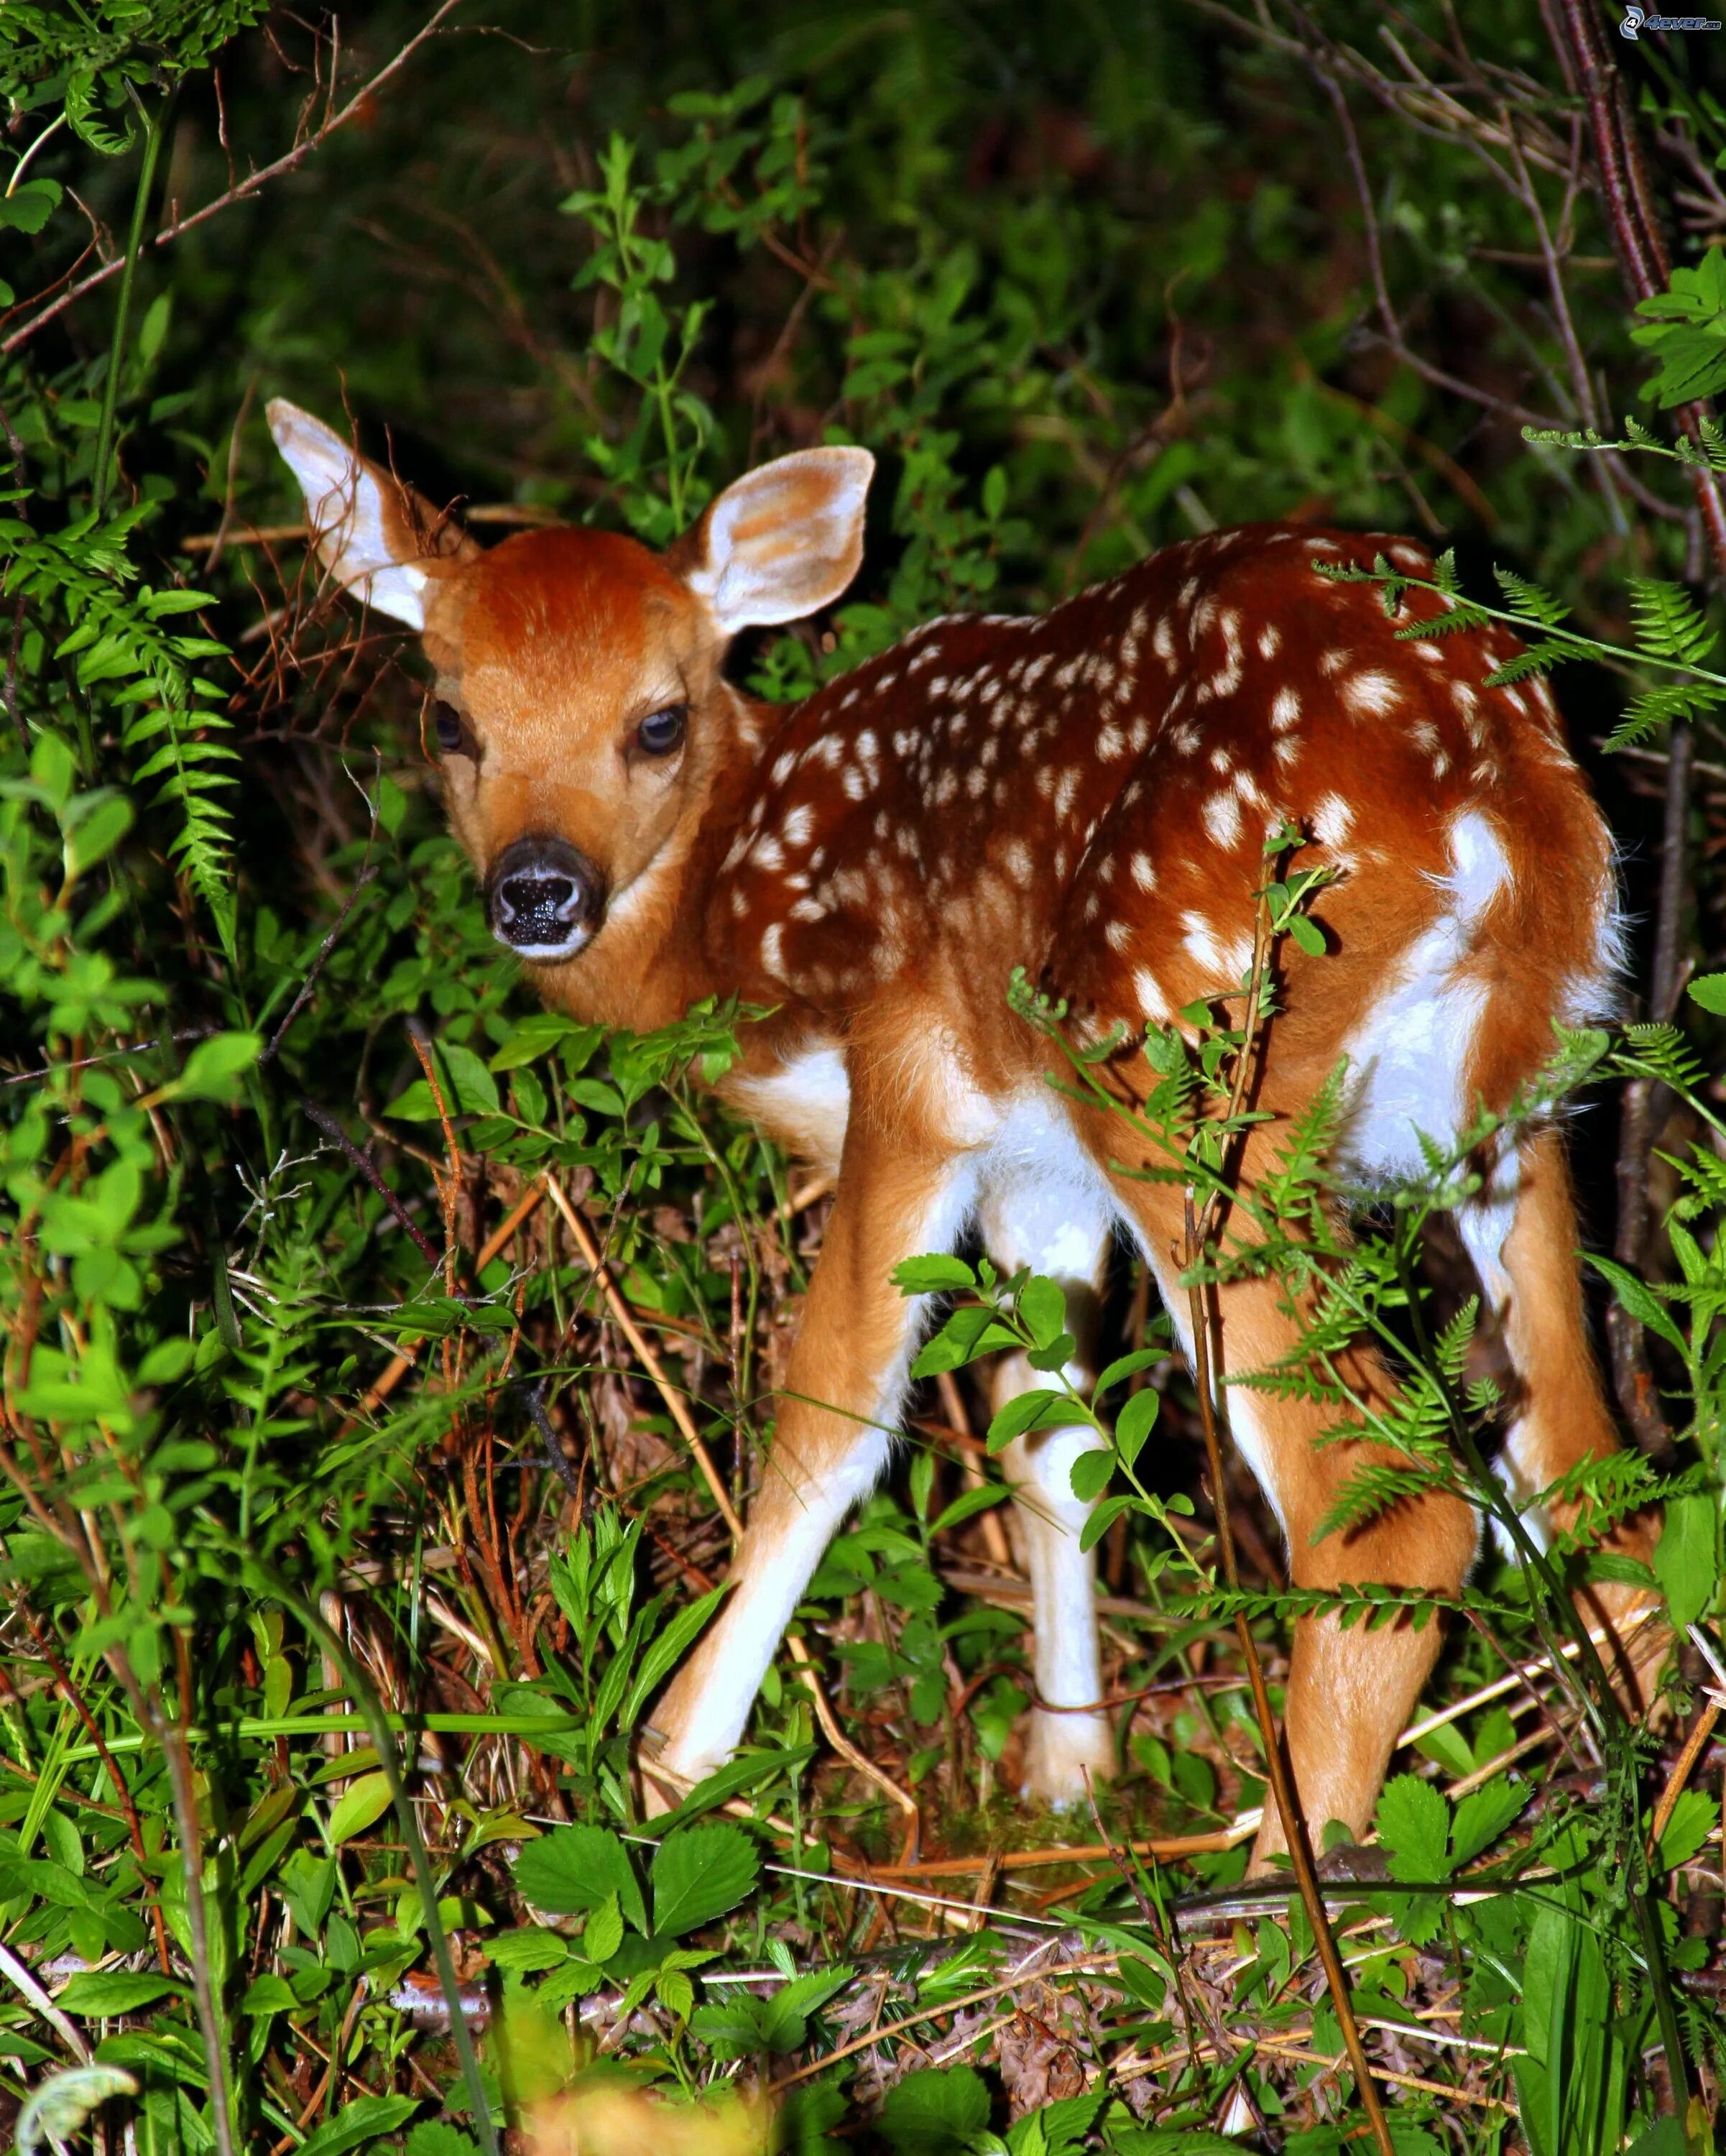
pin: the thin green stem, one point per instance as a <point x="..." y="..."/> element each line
<point x="122" y="312"/>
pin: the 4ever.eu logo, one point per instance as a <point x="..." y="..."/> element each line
<point x="1637" y="19"/>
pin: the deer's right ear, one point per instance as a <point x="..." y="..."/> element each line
<point x="363" y="519"/>
<point x="782" y="542"/>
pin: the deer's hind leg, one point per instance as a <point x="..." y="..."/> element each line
<point x="1351" y="1691"/>
<point x="1060" y="1227"/>
<point x="1522" y="1235"/>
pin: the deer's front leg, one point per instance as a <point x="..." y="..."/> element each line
<point x="843" y="1389"/>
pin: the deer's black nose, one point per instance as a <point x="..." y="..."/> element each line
<point x="545" y="899"/>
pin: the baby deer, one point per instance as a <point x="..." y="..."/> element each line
<point x="1086" y="794"/>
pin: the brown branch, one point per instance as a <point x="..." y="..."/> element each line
<point x="356" y="106"/>
<point x="1645" y="266"/>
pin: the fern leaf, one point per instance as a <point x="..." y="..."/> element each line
<point x="1530" y="602"/>
<point x="1669" y="624"/>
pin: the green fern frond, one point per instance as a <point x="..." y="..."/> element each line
<point x="1663" y="1052"/>
<point x="1669" y="624"/>
<point x="1450" y="1351"/>
<point x="1463" y="614"/>
<point x="1528" y="601"/>
<point x="1534" y="659"/>
<point x="1369" y="1492"/>
<point x="1651" y="709"/>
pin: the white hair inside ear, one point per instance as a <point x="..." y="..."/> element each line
<point x="783" y="542"/>
<point x="360" y="528"/>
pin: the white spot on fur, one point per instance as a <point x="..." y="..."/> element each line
<point x="1221" y="815"/>
<point x="1372" y="694"/>
<point x="1152" y="1001"/>
<point x="1200" y="942"/>
<point x="1332" y="820"/>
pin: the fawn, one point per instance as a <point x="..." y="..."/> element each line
<point x="1085" y="793"/>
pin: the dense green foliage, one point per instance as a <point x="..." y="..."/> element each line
<point x="344" y="1539"/>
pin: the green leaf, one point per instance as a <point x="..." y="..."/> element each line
<point x="1693" y="1819"/>
<point x="361" y="1804"/>
<point x="476" y="1090"/>
<point x="30" y="206"/>
<point x="1483" y="1815"/>
<point x="1129" y="1366"/>
<point x="603" y="1932"/>
<point x="1043" y="1306"/>
<point x="269" y="1994"/>
<point x="361" y="2118"/>
<point x="1023" y="1411"/>
<point x="935" y="2112"/>
<point x="1089" y="1474"/>
<point x="213" y="1070"/>
<point x="103" y="1991"/>
<point x="308" y="1887"/>
<point x="1134" y="1423"/>
<point x="573" y="1868"/>
<point x="530" y="1949"/>
<point x="540" y="1031"/>
<point x="1710" y="990"/>
<point x="933" y="1275"/>
<point x="667" y="1649"/>
<point x="435" y="2137"/>
<point x="967" y="1505"/>
<point x="1639" y="1300"/>
<point x="1686" y="1558"/>
<point x="1413" y="1821"/>
<point x="699" y="1873"/>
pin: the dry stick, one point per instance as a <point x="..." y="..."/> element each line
<point x="837" y="1738"/>
<point x="449" y="1186"/>
<point x="994" y="1531"/>
<point x="366" y="875"/>
<point x="1294" y="1831"/>
<point x="397" y="1370"/>
<point x="650" y="1361"/>
<point x="1199" y="1224"/>
<point x="1701" y="1731"/>
<point x="1160" y="1846"/>
<point x="403" y="1219"/>
<point x="358" y="106"/>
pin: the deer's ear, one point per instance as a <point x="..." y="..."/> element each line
<point x="782" y="542"/>
<point x="369" y="530"/>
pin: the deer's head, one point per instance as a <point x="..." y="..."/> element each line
<point x="581" y="708"/>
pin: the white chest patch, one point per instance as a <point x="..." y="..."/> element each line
<point x="805" y="1104"/>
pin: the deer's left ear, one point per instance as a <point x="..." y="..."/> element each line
<point x="369" y="530"/>
<point x="782" y="542"/>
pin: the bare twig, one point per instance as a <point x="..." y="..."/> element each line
<point x="358" y="105"/>
<point x="675" y="1405"/>
<point x="366" y="875"/>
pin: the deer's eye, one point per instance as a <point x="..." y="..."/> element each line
<point x="453" y="738"/>
<point x="662" y="732"/>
